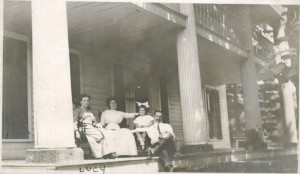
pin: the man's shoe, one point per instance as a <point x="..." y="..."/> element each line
<point x="113" y="156"/>
<point x="170" y="168"/>
<point x="174" y="169"/>
<point x="110" y="156"/>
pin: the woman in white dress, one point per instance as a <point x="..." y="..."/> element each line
<point x="99" y="141"/>
<point x="124" y="142"/>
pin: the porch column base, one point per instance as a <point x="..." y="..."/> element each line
<point x="290" y="145"/>
<point x="196" y="148"/>
<point x="54" y="155"/>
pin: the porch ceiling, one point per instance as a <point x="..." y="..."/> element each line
<point x="218" y="66"/>
<point x="17" y="17"/>
<point x="265" y="13"/>
<point x="94" y="23"/>
<point x="103" y="23"/>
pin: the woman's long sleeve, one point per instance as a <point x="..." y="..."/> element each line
<point x="102" y="120"/>
<point x="128" y="115"/>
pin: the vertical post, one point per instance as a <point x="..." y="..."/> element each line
<point x="289" y="95"/>
<point x="1" y="66"/>
<point x="54" y="136"/>
<point x="249" y="80"/>
<point x="288" y="87"/>
<point x="51" y="75"/>
<point x="193" y="118"/>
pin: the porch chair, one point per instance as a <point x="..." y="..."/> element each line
<point x="83" y="142"/>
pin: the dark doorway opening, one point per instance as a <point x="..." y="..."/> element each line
<point x="141" y="87"/>
<point x="214" y="114"/>
<point x="119" y="90"/>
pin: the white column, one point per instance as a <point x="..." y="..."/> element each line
<point x="1" y="68"/>
<point x="290" y="104"/>
<point x="51" y="75"/>
<point x="249" y="80"/>
<point x="193" y="118"/>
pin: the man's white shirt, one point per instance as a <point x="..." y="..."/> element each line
<point x="154" y="134"/>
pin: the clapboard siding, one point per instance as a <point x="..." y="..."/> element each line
<point x="96" y="74"/>
<point x="175" y="108"/>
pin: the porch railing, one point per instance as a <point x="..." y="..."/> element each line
<point x="219" y="20"/>
<point x="172" y="6"/>
<point x="262" y="47"/>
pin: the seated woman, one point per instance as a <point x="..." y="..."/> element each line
<point x="123" y="139"/>
<point x="142" y="122"/>
<point x="100" y="144"/>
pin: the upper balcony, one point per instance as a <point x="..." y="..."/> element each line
<point x="227" y="25"/>
<point x="173" y="6"/>
<point x="221" y="22"/>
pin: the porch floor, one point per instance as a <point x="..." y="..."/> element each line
<point x="142" y="164"/>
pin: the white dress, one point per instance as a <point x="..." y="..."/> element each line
<point x="124" y="142"/>
<point x="99" y="140"/>
<point x="144" y="121"/>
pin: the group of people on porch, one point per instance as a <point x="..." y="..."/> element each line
<point x="108" y="140"/>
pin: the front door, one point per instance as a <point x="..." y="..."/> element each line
<point x="213" y="113"/>
<point x="119" y="90"/>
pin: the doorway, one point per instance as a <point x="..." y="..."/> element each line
<point x="213" y="113"/>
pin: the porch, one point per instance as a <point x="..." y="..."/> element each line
<point x="144" y="164"/>
<point x="136" y="52"/>
<point x="118" y="49"/>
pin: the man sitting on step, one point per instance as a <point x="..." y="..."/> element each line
<point x="162" y="140"/>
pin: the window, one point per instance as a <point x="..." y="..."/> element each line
<point x="213" y="113"/>
<point x="75" y="77"/>
<point x="15" y="90"/>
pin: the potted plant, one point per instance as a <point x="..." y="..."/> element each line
<point x="254" y="141"/>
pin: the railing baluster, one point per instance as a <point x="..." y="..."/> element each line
<point x="221" y="21"/>
<point x="173" y="6"/>
<point x="220" y="30"/>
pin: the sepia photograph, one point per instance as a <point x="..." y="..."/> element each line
<point x="103" y="87"/>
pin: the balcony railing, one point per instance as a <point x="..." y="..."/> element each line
<point x="262" y="46"/>
<point x="172" y="6"/>
<point x="219" y="20"/>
